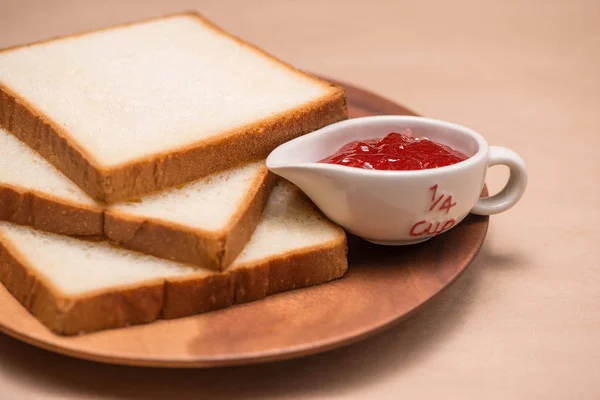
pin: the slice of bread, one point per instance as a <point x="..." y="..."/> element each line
<point x="137" y="108"/>
<point x="75" y="286"/>
<point x="207" y="222"/>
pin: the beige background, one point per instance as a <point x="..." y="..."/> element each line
<point x="524" y="320"/>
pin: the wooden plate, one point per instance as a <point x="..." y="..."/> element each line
<point x="383" y="286"/>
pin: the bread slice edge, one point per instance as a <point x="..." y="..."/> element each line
<point x="42" y="211"/>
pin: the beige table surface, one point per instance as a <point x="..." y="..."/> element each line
<point x="524" y="321"/>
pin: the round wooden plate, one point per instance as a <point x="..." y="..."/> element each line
<point x="383" y="285"/>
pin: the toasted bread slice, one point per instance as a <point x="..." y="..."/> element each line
<point x="207" y="222"/>
<point x="75" y="286"/>
<point x="138" y="108"/>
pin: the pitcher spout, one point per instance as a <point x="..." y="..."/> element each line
<point x="305" y="175"/>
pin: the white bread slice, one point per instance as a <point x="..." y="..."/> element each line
<point x="206" y="222"/>
<point x="136" y="108"/>
<point x="75" y="286"/>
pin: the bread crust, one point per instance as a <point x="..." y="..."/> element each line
<point x="47" y="213"/>
<point x="170" y="298"/>
<point x="174" y="167"/>
<point x="212" y="250"/>
<point x="294" y="270"/>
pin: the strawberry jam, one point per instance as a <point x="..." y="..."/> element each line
<point x="396" y="151"/>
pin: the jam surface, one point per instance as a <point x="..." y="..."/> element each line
<point x="396" y="151"/>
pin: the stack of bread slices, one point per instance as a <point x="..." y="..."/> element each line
<point x="132" y="177"/>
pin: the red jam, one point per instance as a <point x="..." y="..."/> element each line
<point x="396" y="151"/>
